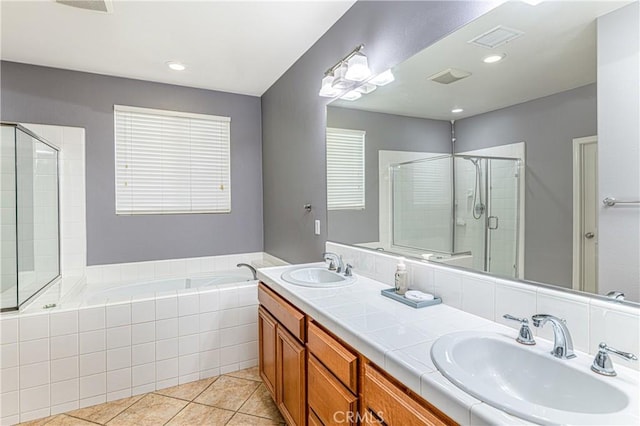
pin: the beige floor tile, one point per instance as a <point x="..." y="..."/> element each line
<point x="249" y="373"/>
<point x="228" y="393"/>
<point x="261" y="404"/>
<point x="198" y="414"/>
<point x="102" y="413"/>
<point x="151" y="410"/>
<point x="240" y="419"/>
<point x="187" y="391"/>
<point x="39" y="422"/>
<point x="68" y="421"/>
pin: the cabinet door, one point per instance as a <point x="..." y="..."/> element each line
<point x="393" y="405"/>
<point x="291" y="389"/>
<point x="267" y="327"/>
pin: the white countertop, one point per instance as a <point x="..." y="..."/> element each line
<point x="398" y="339"/>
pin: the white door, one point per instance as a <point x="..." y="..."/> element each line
<point x="585" y="215"/>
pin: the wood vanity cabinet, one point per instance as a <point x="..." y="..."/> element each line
<point x="384" y="400"/>
<point x="332" y="378"/>
<point x="282" y="362"/>
<point x="317" y="379"/>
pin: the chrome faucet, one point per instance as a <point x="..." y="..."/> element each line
<point x="602" y="363"/>
<point x="562" y="343"/>
<point x="335" y="263"/>
<point x="253" y="270"/>
<point x="525" y="335"/>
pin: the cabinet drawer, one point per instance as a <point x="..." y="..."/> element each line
<point x="291" y="318"/>
<point x="329" y="399"/>
<point x="338" y="359"/>
<point x="394" y="405"/>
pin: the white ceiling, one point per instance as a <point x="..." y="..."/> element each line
<point x="556" y="53"/>
<point x="233" y="46"/>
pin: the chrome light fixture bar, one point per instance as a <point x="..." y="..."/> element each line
<point x="350" y="77"/>
<point x="343" y="74"/>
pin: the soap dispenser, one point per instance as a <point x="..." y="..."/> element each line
<point x="401" y="281"/>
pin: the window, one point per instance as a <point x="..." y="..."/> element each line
<point x="171" y="162"/>
<point x="345" y="169"/>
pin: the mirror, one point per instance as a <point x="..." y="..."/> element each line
<point x="482" y="153"/>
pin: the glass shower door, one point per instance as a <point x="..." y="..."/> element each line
<point x="503" y="180"/>
<point x="421" y="213"/>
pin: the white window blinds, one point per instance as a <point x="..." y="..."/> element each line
<point x="345" y="169"/>
<point x="171" y="162"/>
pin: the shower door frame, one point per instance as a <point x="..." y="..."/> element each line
<point x="519" y="162"/>
<point x="28" y="132"/>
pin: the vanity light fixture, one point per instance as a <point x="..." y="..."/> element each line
<point x="358" y="68"/>
<point x="492" y="59"/>
<point x="366" y="88"/>
<point x="383" y="79"/>
<point x="351" y="95"/>
<point x="340" y="80"/>
<point x="344" y="76"/>
<point x="176" y="66"/>
<point x="327" y="90"/>
<point x="457" y="110"/>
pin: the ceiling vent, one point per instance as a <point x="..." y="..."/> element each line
<point x="496" y="37"/>
<point x="450" y="75"/>
<point x="105" y="6"/>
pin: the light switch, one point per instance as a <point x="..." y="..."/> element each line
<point x="317" y="227"/>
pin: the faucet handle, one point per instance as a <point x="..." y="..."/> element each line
<point x="347" y="270"/>
<point x="525" y="335"/>
<point x="602" y="362"/>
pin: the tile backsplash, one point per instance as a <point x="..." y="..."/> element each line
<point x="590" y="320"/>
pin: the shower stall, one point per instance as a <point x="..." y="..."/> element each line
<point x="455" y="205"/>
<point x="29" y="221"/>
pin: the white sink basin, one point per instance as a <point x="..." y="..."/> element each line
<point x="316" y="277"/>
<point x="527" y="382"/>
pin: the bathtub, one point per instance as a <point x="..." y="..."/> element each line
<point x="104" y="342"/>
<point x="92" y="295"/>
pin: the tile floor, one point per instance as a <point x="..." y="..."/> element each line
<point x="237" y="398"/>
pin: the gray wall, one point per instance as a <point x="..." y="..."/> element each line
<point x="384" y="132"/>
<point x="59" y="97"/>
<point x="548" y="126"/>
<point x="294" y="120"/>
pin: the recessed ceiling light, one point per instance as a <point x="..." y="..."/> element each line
<point x="176" y="66"/>
<point x="492" y="59"/>
<point x="457" y="110"/>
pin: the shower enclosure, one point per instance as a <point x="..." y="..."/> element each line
<point x="29" y="221"/>
<point x="460" y="204"/>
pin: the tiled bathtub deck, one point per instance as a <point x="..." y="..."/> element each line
<point x="237" y="398"/>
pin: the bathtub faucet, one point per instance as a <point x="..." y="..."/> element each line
<point x="253" y="270"/>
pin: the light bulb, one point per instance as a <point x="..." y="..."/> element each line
<point x="492" y="59"/>
<point x="176" y="66"/>
<point x="457" y="110"/>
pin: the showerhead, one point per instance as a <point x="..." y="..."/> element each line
<point x="473" y="160"/>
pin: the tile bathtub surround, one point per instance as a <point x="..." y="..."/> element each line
<point x="60" y="360"/>
<point x="590" y="321"/>
<point x="237" y="398"/>
<point x="175" y="268"/>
